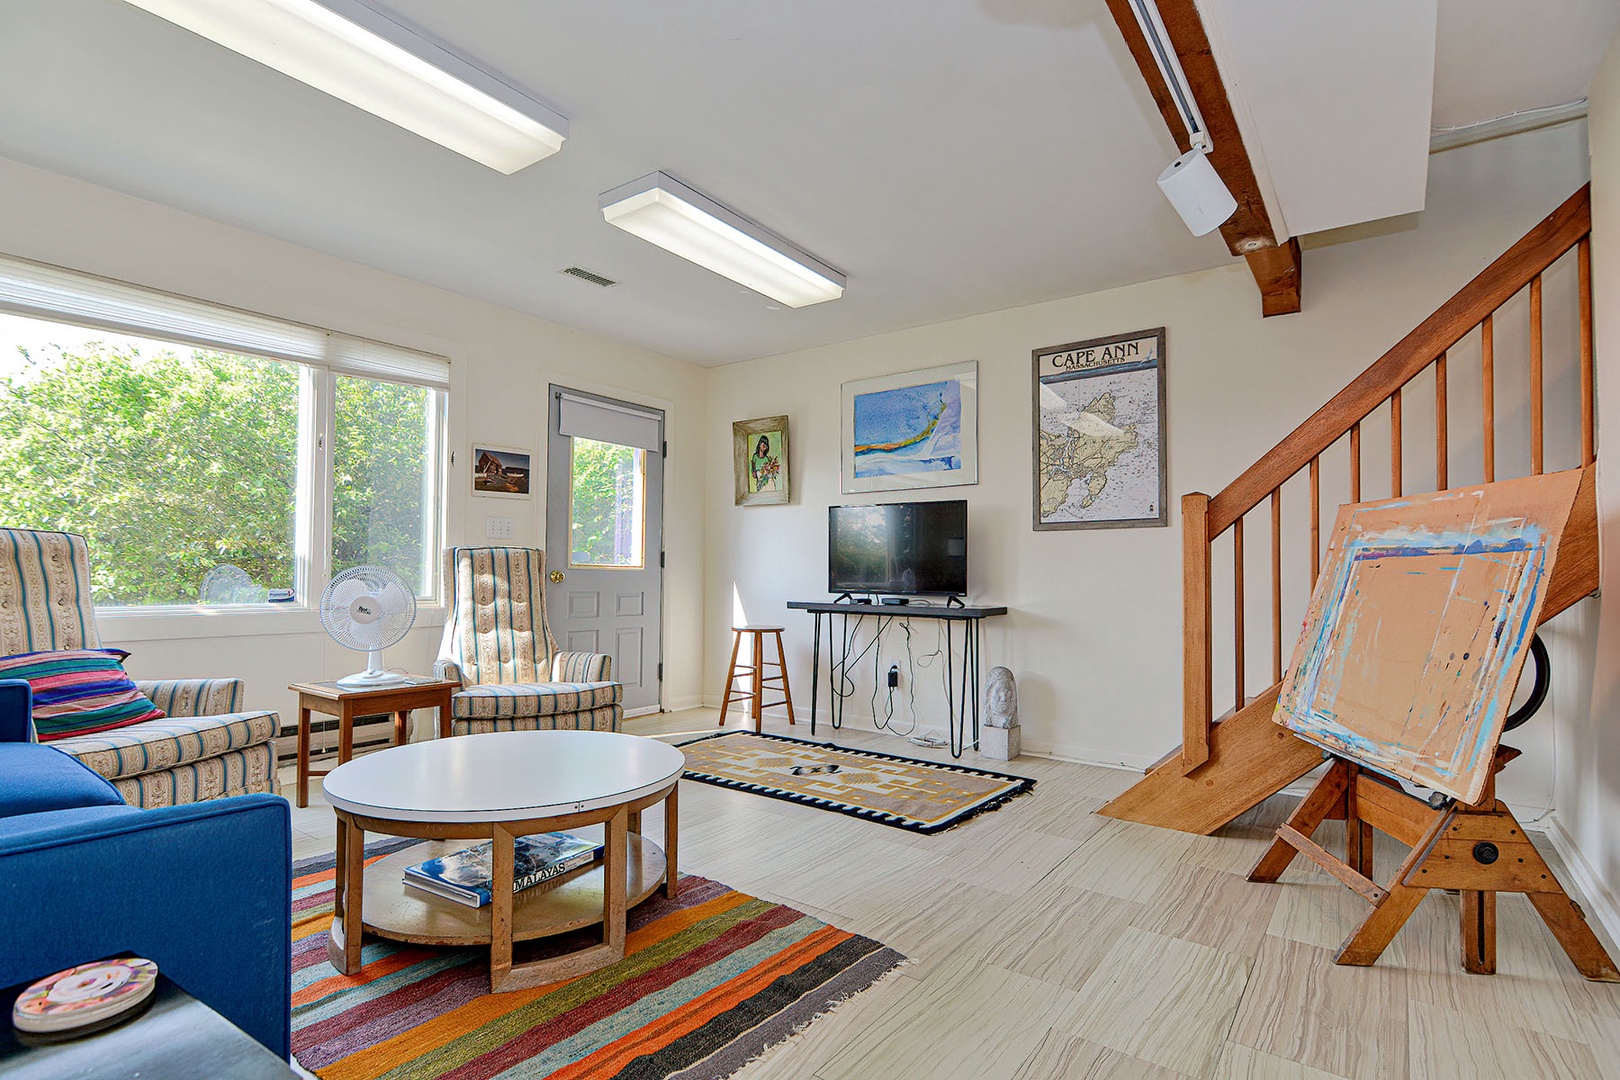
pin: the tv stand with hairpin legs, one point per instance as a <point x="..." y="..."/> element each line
<point x="961" y="699"/>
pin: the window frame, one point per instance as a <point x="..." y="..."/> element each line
<point x="327" y="354"/>
<point x="641" y="507"/>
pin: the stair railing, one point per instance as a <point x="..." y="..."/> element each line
<point x="1425" y="349"/>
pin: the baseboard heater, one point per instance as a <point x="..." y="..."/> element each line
<point x="370" y="733"/>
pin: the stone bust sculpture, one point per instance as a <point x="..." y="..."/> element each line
<point x="1001" y="699"/>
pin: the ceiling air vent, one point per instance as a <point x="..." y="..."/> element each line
<point x="585" y="275"/>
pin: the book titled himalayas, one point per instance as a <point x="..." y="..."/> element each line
<point x="465" y="876"/>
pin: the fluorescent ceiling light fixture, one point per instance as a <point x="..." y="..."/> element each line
<point x="663" y="211"/>
<point x="1190" y="182"/>
<point x="354" y="52"/>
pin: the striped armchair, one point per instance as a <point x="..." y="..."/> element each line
<point x="498" y="646"/>
<point x="208" y="746"/>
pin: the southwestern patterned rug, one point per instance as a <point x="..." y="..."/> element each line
<point x="923" y="796"/>
<point x="709" y="981"/>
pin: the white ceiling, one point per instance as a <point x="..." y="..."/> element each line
<point x="1338" y="97"/>
<point x="1495" y="57"/>
<point x="950" y="156"/>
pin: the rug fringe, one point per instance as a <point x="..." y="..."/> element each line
<point x="992" y="804"/>
<point x="798" y="1034"/>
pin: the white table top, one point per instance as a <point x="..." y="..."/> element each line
<point x="503" y="776"/>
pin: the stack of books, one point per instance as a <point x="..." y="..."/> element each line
<point x="465" y="876"/>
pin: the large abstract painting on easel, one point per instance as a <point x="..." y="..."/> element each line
<point x="1419" y="626"/>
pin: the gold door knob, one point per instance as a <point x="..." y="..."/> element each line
<point x="556" y="576"/>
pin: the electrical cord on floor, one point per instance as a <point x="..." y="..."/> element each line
<point x="886" y="722"/>
<point x="845" y="684"/>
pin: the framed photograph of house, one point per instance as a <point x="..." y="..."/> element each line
<point x="1100" y="458"/>
<point x="760" y="460"/>
<point x="917" y="429"/>
<point x="501" y="472"/>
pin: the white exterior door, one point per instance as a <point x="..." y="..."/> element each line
<point x="604" y="536"/>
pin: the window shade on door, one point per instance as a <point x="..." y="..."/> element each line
<point x="609" y="422"/>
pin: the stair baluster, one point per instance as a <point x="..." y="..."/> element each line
<point x="1258" y="753"/>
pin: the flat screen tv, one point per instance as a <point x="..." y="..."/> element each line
<point x="900" y="549"/>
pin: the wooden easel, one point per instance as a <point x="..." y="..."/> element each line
<point x="1478" y="848"/>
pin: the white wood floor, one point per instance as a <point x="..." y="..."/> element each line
<point x="1047" y="943"/>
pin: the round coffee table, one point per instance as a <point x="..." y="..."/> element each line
<point x="496" y="787"/>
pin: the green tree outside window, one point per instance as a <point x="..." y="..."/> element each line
<point x="174" y="461"/>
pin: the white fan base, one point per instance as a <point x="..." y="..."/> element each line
<point x="374" y="677"/>
<point x="372" y="680"/>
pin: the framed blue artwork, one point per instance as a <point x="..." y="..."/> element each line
<point x="917" y="429"/>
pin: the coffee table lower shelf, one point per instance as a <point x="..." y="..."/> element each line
<point x="396" y="911"/>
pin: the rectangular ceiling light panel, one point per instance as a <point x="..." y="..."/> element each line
<point x="354" y="52"/>
<point x="664" y="211"/>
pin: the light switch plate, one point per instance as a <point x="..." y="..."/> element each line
<point x="497" y="528"/>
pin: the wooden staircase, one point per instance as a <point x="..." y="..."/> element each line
<point x="1227" y="765"/>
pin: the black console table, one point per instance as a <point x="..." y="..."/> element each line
<point x="959" y="707"/>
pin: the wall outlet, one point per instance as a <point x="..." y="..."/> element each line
<point x="497" y="528"/>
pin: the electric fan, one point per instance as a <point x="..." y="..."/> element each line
<point x="230" y="584"/>
<point x="368" y="608"/>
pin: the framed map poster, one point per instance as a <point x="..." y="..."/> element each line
<point x="917" y="429"/>
<point x="1100" y="433"/>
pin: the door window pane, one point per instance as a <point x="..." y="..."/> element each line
<point x="607" y="505"/>
<point x="382" y="479"/>
<point x="172" y="461"/>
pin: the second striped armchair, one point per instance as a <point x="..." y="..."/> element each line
<point x="498" y="645"/>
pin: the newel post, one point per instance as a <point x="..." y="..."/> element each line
<point x="1195" y="605"/>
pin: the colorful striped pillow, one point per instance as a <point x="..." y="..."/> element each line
<point x="79" y="691"/>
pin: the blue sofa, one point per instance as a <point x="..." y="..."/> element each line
<point x="204" y="890"/>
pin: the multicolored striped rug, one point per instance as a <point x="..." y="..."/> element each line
<point x="709" y="981"/>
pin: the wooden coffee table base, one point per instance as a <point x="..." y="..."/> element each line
<point x="631" y="871"/>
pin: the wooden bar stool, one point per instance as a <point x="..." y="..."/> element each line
<point x="755" y="673"/>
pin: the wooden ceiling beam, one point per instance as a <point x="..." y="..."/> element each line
<point x="1276" y="270"/>
<point x="1248" y="232"/>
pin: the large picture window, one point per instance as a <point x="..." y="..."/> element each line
<point x="202" y="473"/>
<point x="384" y="483"/>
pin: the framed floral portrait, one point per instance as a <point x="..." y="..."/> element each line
<point x="760" y="460"/>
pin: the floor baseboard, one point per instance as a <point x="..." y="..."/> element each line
<point x="1601" y="906"/>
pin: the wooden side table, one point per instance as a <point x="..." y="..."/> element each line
<point x="332" y="700"/>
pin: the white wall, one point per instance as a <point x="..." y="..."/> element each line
<point x="1094" y="634"/>
<point x="502" y="363"/>
<point x="1588" y="780"/>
